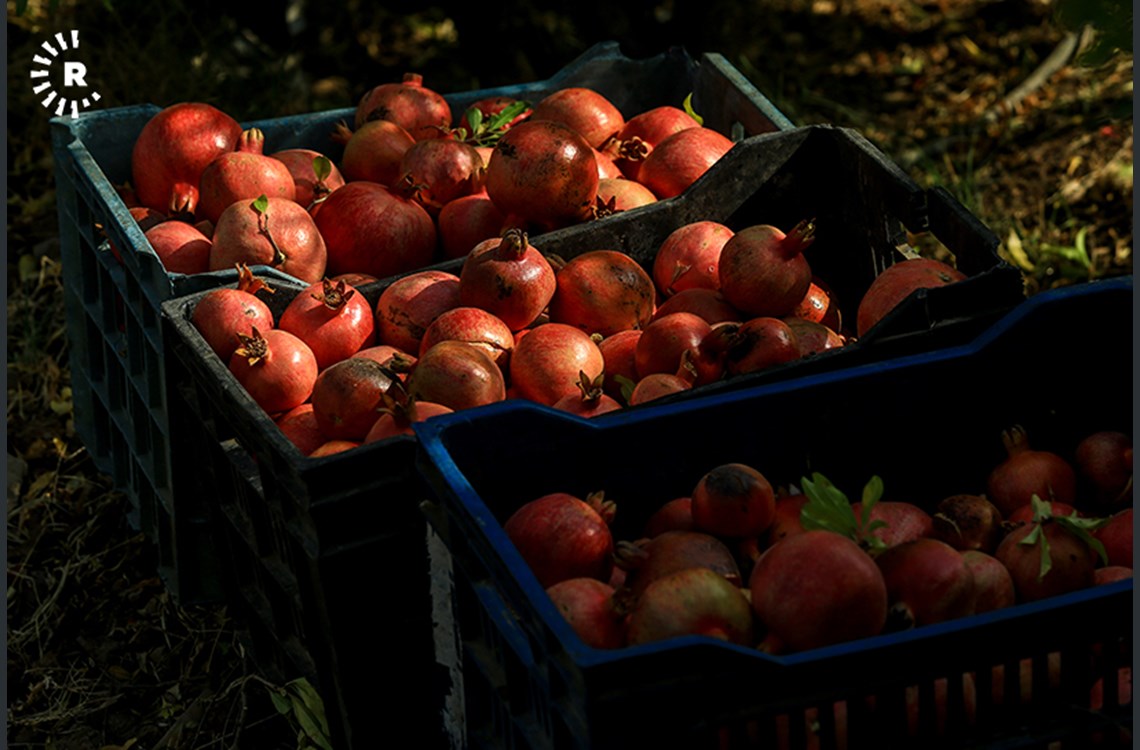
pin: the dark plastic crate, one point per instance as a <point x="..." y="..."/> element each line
<point x="929" y="425"/>
<point x="112" y="306"/>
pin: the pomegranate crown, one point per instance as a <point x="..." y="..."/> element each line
<point x="1081" y="528"/>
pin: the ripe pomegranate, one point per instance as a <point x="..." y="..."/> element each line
<point x="895" y="284"/>
<point x="927" y="582"/>
<point x="173" y="149"/>
<point x="1111" y="574"/>
<point x="411" y="105"/>
<point x="1104" y="463"/>
<point x="708" y="304"/>
<point x="587" y="604"/>
<point x="408" y="306"/>
<point x="1024" y="514"/>
<point x="968" y="522"/>
<point x="758" y="344"/>
<point x="603" y="291"/>
<point x="242" y="175"/>
<point x="644" y="131"/>
<point x="658" y="385"/>
<point x="456" y="375"/>
<point x="443" y="170"/>
<point x="397" y="418"/>
<point x="846" y="600"/>
<point x="607" y="170"/>
<point x="813" y="338"/>
<point x="394" y="358"/>
<point x="905" y="522"/>
<point x="681" y="159"/>
<point x="548" y="361"/>
<point x="371" y="229"/>
<point x="619" y="358"/>
<point x="223" y="313"/>
<point x="475" y="327"/>
<point x="180" y="247"/>
<point x="1116" y="536"/>
<point x="1027" y="472"/>
<point x="734" y="500"/>
<point x="584" y="111"/>
<point x="276" y="368"/>
<point x="665" y="339"/>
<point x="299" y="425"/>
<point x="1071" y="560"/>
<point x="507" y="277"/>
<point x="347" y="395"/>
<point x="618" y="194"/>
<point x="786" y="519"/>
<point x="373" y="152"/>
<point x="689" y="258"/>
<point x="763" y="271"/>
<point x="818" y="306"/>
<point x="465" y="222"/>
<point x="648" y="560"/>
<point x="274" y="232"/>
<point x="561" y="537"/>
<point x="592" y="400"/>
<point x="332" y="319"/>
<point x="694" y="601"/>
<point x="544" y="173"/>
<point x="675" y="515"/>
<point x="310" y="189"/>
<point x="992" y="582"/>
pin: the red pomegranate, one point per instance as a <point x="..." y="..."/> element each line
<point x="763" y="271"/>
<point x="895" y="284"/>
<point x="347" y="395"/>
<point x="275" y="232"/>
<point x="681" y="159"/>
<point x="276" y="368"/>
<point x="242" y="175"/>
<point x="644" y="131"/>
<point x="603" y="291"/>
<point x="408" y="306"/>
<point x="561" y="537"/>
<point x="507" y="277"/>
<point x="411" y="105"/>
<point x="180" y="247"/>
<point x="373" y="153"/>
<point x="332" y="318"/>
<point x="456" y="375"/>
<point x="548" y="361"/>
<point x="689" y="258"/>
<point x="309" y="188"/>
<point x="465" y="222"/>
<point x="221" y="314"/>
<point x="584" y="111"/>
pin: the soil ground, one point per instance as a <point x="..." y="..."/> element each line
<point x="99" y="655"/>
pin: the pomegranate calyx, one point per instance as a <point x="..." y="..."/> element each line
<point x="630" y="556"/>
<point x="591" y="388"/>
<point x="513" y="244"/>
<point x="251" y="141"/>
<point x="607" y="509"/>
<point x="247" y="282"/>
<point x="254" y="347"/>
<point x="341" y="133"/>
<point x="633" y="149"/>
<point x="1015" y="440"/>
<point x="800" y="238"/>
<point x="603" y="208"/>
<point x="413" y="79"/>
<point x="333" y="295"/>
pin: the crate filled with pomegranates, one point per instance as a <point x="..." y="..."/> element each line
<point x="143" y="193"/>
<point x="933" y="550"/>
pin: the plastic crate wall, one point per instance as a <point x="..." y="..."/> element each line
<point x="530" y="682"/>
<point x="112" y="304"/>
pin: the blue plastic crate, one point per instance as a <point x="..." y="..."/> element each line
<point x="929" y="425"/>
<point x="116" y="343"/>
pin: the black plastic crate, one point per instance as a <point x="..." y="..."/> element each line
<point x="112" y="306"/>
<point x="928" y="424"/>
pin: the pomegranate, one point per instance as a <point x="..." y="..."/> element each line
<point x="760" y="343"/>
<point x="544" y="173"/>
<point x="813" y="338"/>
<point x="1104" y="463"/>
<point x="694" y="601"/>
<point x="444" y="170"/>
<point x="927" y="582"/>
<point x="1048" y="557"/>
<point x="733" y="500"/>
<point x="644" y="131"/>
<point x="397" y="417"/>
<point x="472" y="326"/>
<point x="456" y="375"/>
<point x="607" y="170"/>
<point x="180" y="247"/>
<point x="1024" y="514"/>
<point x="903" y="522"/>
<point x="1111" y="574"/>
<point x="394" y="358"/>
<point x="277" y="369"/>
<point x="786" y="519"/>
<point x="587" y="604"/>
<point x="374" y="152"/>
<point x="818" y="306"/>
<point x="561" y="537"/>
<point x="332" y="319"/>
<point x="658" y="385"/>
<point x="675" y="515"/>
<point x="271" y="231"/>
<point x="619" y="359"/>
<point x="173" y="149"/>
<point x="1026" y="472"/>
<point x="465" y="222"/>
<point x="681" y="159"/>
<point x="968" y="522"/>
<point x="507" y="277"/>
<point x="592" y="400"/>
<point x="371" y="229"/>
<point x="299" y="425"/>
<point x="603" y="291"/>
<point x="847" y="597"/>
<point x="548" y="361"/>
<point x="408" y="306"/>
<point x="314" y="175"/>
<point x="708" y="304"/>
<point x="896" y="283"/>
<point x="347" y="395"/>
<point x="665" y="339"/>
<point x="763" y="271"/>
<point x="617" y="195"/>
<point x="689" y="258"/>
<point x="992" y="582"/>
<point x="584" y="111"/>
<point x="411" y="105"/>
<point x="1116" y="536"/>
<point x="223" y="313"/>
<point x="242" y="175"/>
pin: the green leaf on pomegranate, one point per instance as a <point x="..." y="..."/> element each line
<point x="688" y="107"/>
<point x="474" y="118"/>
<point x="506" y="114"/>
<point x="1082" y="528"/>
<point x="827" y="508"/>
<point x="322" y="167"/>
<point x="261" y="205"/>
<point x="627" y="386"/>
